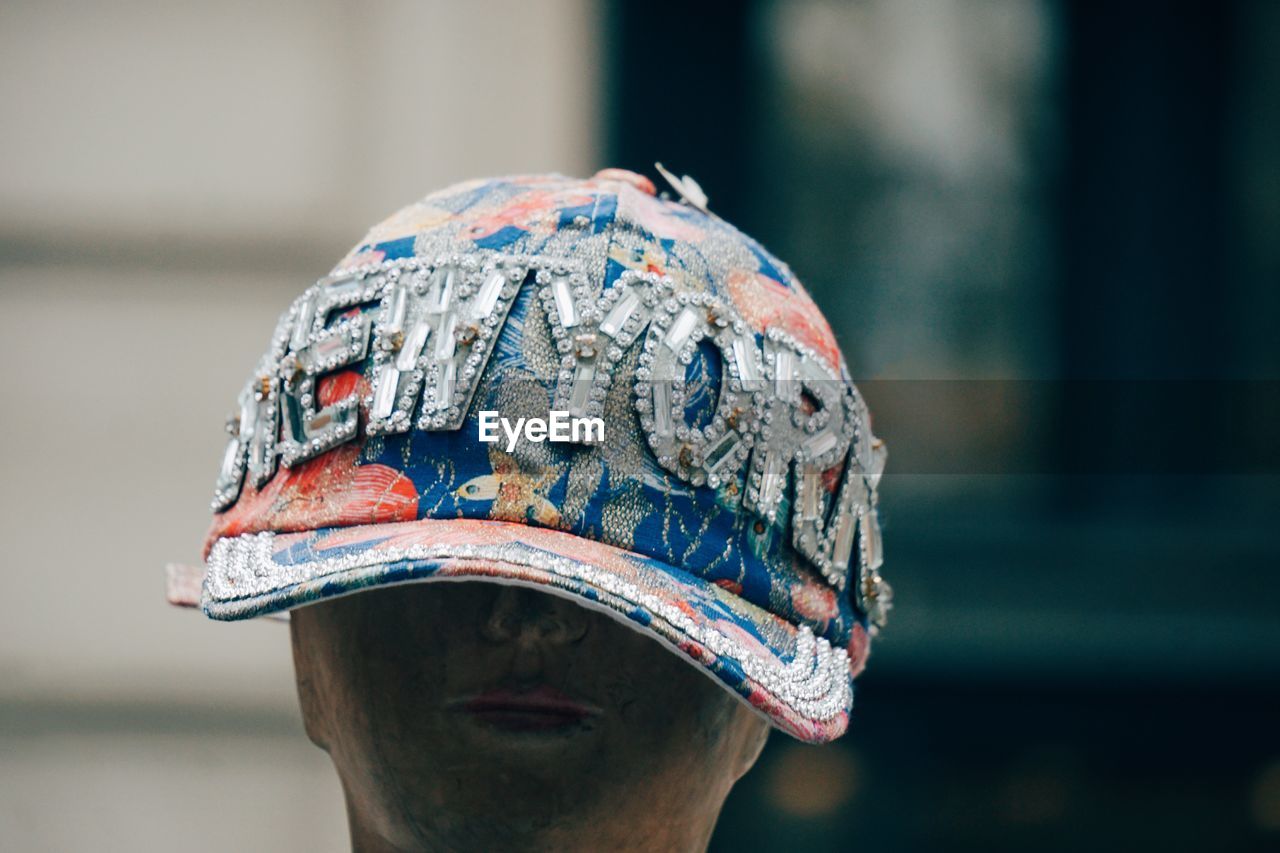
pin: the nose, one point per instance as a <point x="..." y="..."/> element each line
<point x="525" y="615"/>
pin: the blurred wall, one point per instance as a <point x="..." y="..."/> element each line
<point x="171" y="175"/>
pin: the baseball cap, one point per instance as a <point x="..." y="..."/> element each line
<point x="578" y="385"/>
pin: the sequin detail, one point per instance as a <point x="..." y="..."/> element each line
<point x="811" y="678"/>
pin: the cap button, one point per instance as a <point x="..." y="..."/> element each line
<point x="626" y="176"/>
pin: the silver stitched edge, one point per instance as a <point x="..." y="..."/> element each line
<point x="815" y="682"/>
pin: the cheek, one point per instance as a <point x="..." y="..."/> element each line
<point x="387" y="668"/>
<point x="668" y="713"/>
<point x="405" y="659"/>
<point x="381" y="667"/>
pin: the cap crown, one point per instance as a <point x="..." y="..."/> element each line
<point x="734" y="444"/>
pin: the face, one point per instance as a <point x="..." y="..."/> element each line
<point x="482" y="715"/>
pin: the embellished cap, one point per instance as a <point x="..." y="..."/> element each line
<point x="580" y="385"/>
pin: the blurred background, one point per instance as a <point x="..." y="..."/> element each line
<point x="1047" y="234"/>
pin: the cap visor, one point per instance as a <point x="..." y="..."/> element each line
<point x="799" y="681"/>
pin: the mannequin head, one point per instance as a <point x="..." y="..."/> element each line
<point x="475" y="715"/>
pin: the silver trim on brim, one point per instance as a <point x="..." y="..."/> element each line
<point x="243" y="580"/>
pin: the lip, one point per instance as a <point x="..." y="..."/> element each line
<point x="541" y="708"/>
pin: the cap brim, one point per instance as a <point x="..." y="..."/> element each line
<point x="800" y="682"/>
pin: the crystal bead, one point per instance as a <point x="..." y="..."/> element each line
<point x="407" y="358"/>
<point x="384" y="401"/>
<point x="616" y="319"/>
<point x="563" y="298"/>
<point x="487" y="299"/>
<point x="680" y="330"/>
